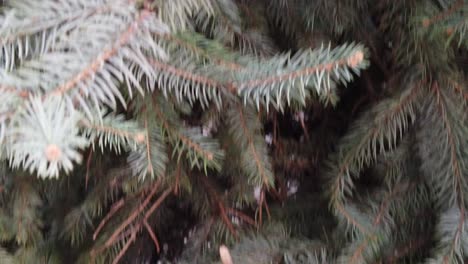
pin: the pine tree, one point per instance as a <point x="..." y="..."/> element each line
<point x="291" y="131"/>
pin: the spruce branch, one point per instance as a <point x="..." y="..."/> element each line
<point x="194" y="46"/>
<point x="447" y="121"/>
<point x="122" y="56"/>
<point x="225" y="24"/>
<point x="27" y="223"/>
<point x="196" y="86"/>
<point x="218" y="203"/>
<point x="178" y="14"/>
<point x="114" y="209"/>
<point x="114" y="237"/>
<point x="151" y="157"/>
<point x="125" y="247"/>
<point x="244" y="127"/>
<point x="28" y="28"/>
<point x="376" y="132"/>
<point x="202" y="152"/>
<point x="427" y="22"/>
<point x="44" y="137"/>
<point x="284" y="77"/>
<point x="114" y="132"/>
<point x="365" y="248"/>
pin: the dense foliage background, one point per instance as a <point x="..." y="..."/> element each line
<point x="291" y="131"/>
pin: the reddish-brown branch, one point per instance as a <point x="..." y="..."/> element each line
<point x="242" y="216"/>
<point x="397" y="190"/>
<point x="412" y="246"/>
<point x="115" y="207"/>
<point x="148" y="147"/>
<point x="157" y="203"/>
<point x="21" y="93"/>
<point x="275" y="129"/>
<point x="458" y="89"/>
<point x="443" y="15"/>
<point x="218" y="203"/>
<point x="88" y="166"/>
<point x="125" y="248"/>
<point x="261" y="203"/>
<point x="304" y="128"/>
<point x="133" y="216"/>
<point x="226" y="220"/>
<point x="152" y="235"/>
<point x="177" y="180"/>
<point x="351" y="219"/>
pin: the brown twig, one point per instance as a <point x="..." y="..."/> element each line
<point x="443" y="15"/>
<point x="226" y="220"/>
<point x="412" y="246"/>
<point x="218" y="203"/>
<point x="133" y="216"/>
<point x="88" y="166"/>
<point x="177" y="180"/>
<point x="242" y="216"/>
<point x="152" y="235"/>
<point x="115" y="207"/>
<point x="157" y="203"/>
<point x="125" y="248"/>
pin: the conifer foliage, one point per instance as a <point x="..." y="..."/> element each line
<point x="272" y="131"/>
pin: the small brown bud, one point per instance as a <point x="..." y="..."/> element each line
<point x="140" y="138"/>
<point x="53" y="152"/>
<point x="355" y="59"/>
<point x="426" y="22"/>
<point x="449" y="31"/>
